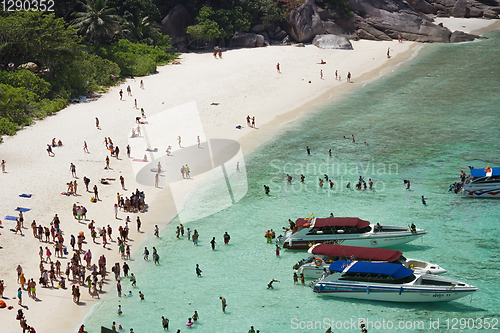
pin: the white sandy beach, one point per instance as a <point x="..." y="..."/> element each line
<point x="245" y="82"/>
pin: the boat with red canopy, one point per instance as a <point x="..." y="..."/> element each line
<point x="322" y="255"/>
<point x="345" y="230"/>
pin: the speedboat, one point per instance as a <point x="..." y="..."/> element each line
<point x="380" y="281"/>
<point x="322" y="255"/>
<point x="347" y="231"/>
<point x="483" y="183"/>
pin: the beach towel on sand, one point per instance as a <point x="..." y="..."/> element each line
<point x="21" y="209"/>
<point x="138" y="160"/>
<point x="11" y="218"/>
<point x="24" y="195"/>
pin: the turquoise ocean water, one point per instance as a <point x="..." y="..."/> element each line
<point x="427" y="121"/>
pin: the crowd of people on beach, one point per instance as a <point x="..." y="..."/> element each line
<point x="82" y="270"/>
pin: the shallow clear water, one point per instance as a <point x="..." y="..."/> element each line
<point x="425" y="122"/>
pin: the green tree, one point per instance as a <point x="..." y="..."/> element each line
<point x="34" y="36"/>
<point x="220" y="23"/>
<point x="140" y="29"/>
<point x="97" y="21"/>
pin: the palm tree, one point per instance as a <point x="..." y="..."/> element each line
<point x="139" y="29"/>
<point x="97" y="21"/>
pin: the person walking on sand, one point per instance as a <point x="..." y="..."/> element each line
<point x="321" y="74"/>
<point x="107" y="163"/>
<point x="128" y="151"/>
<point x="3" y="166"/>
<point x="135" y="103"/>
<point x="156" y="180"/>
<point x="336" y="75"/>
<point x="199" y="141"/>
<point x="348" y="76"/>
<point x="388" y="52"/>
<point x="121" y="94"/>
<point x="129" y="90"/>
<point x="85" y="149"/>
<point x="253" y="122"/>
<point x="96" y="193"/>
<point x="49" y="150"/>
<point x="97" y="123"/>
<point x="183" y="171"/>
<point x="278" y="67"/>
<point x="187" y="170"/>
<point x="157" y="231"/>
<point x="122" y="182"/>
<point x="72" y="168"/>
<point x="220" y="54"/>
<point x="142" y="85"/>
<point x="179" y="139"/>
<point x="224" y="304"/>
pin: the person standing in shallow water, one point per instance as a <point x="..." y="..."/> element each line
<point x="224" y="304"/>
<point x="164" y="322"/>
<point x="212" y="242"/>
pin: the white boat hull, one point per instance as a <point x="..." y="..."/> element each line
<point x="311" y="270"/>
<point x="383" y="239"/>
<point x="396" y="293"/>
<point x="482" y="190"/>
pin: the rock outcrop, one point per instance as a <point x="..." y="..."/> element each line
<point x="380" y="20"/>
<point x="175" y="24"/>
<point x="246" y="39"/>
<point x="460" y="36"/>
<point x="332" y="42"/>
<point x="305" y="22"/>
<point x="387" y="19"/>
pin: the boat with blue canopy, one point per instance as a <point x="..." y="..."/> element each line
<point x="381" y="281"/>
<point x="483" y="182"/>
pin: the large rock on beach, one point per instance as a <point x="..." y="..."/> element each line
<point x="175" y="24"/>
<point x="246" y="39"/>
<point x="30" y="66"/>
<point x="382" y="20"/>
<point x="423" y="6"/>
<point x="305" y="22"/>
<point x="460" y="9"/>
<point x="332" y="42"/>
<point x="460" y="36"/>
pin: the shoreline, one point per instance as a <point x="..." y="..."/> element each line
<point x="31" y="172"/>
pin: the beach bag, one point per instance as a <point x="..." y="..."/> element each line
<point x="92" y="199"/>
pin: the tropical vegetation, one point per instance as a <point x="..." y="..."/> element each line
<point x="88" y="44"/>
